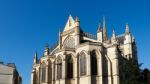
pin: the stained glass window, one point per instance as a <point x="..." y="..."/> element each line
<point x="82" y="64"/>
<point x="93" y="63"/>
<point x="69" y="66"/>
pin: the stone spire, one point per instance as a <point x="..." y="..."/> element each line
<point x="104" y="29"/>
<point x="127" y="31"/>
<point x="99" y="28"/>
<point x="35" y="58"/>
<point x="46" y="51"/>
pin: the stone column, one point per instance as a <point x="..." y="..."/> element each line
<point x="63" y="70"/>
<point x="99" y="63"/>
<point x="89" y="67"/>
<point x="47" y="74"/>
<point x="75" y="71"/>
<point x="38" y="82"/>
<point x="52" y="73"/>
<point x="115" y="69"/>
<point x="40" y="73"/>
<point x="109" y="70"/>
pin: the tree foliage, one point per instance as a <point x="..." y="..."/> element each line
<point x="134" y="75"/>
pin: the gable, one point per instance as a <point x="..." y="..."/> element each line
<point x="70" y="24"/>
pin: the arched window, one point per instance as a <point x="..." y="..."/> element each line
<point x="93" y="63"/>
<point x="82" y="64"/>
<point x="49" y="72"/>
<point x="43" y="70"/>
<point x="59" y="67"/>
<point x="69" y="66"/>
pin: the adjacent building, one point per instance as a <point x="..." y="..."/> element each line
<point x="9" y="74"/>
<point x="83" y="58"/>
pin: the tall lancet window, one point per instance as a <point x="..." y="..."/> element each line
<point x="43" y="70"/>
<point x="59" y="67"/>
<point x="82" y="64"/>
<point x="93" y="63"/>
<point x="69" y="63"/>
<point x="49" y="72"/>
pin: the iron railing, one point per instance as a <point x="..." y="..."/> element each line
<point x="89" y="35"/>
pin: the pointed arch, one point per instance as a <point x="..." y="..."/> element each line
<point x="83" y="63"/>
<point x="93" y="63"/>
<point x="59" y="67"/>
<point x="69" y="63"/>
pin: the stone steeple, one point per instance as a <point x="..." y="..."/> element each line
<point x="104" y="30"/>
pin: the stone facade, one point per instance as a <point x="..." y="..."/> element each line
<point x="9" y="74"/>
<point x="83" y="58"/>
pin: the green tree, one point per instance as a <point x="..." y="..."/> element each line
<point x="135" y="75"/>
<point x="131" y="72"/>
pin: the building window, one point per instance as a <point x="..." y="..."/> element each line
<point x="82" y="64"/>
<point x="43" y="70"/>
<point x="93" y="63"/>
<point x="59" y="67"/>
<point x="69" y="66"/>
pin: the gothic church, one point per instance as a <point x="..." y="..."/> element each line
<point x="83" y="58"/>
